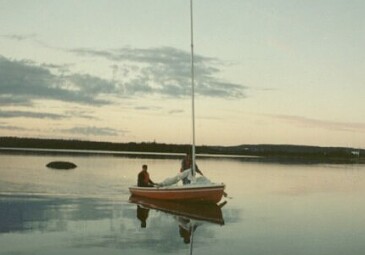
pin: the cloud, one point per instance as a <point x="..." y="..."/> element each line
<point x="12" y="99"/>
<point x="315" y="123"/>
<point x="27" y="114"/>
<point x="148" y="108"/>
<point x="12" y="128"/>
<point x="19" y="37"/>
<point x="22" y="82"/>
<point x="176" y="111"/>
<point x="161" y="71"/>
<point x="98" y="131"/>
<point x="166" y="71"/>
<point x="78" y="113"/>
<point x="64" y="68"/>
<point x="33" y="38"/>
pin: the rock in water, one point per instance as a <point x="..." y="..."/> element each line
<point x="61" y="165"/>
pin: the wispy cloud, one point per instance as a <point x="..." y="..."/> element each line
<point x="28" y="37"/>
<point x="19" y="37"/>
<point x="28" y="114"/>
<point x="97" y="131"/>
<point x="14" y="100"/>
<point x="166" y="71"/>
<point x="12" y="128"/>
<point x="149" y="108"/>
<point x="325" y="124"/>
<point x="176" y="111"/>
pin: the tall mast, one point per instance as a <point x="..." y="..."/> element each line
<point x="192" y="87"/>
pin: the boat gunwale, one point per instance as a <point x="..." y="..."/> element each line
<point x="184" y="188"/>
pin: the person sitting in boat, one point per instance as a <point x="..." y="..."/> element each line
<point x="144" y="178"/>
<point x="186" y="163"/>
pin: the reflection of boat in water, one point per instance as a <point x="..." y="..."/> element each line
<point x="207" y="212"/>
<point x="188" y="215"/>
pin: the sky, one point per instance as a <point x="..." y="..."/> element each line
<point x="266" y="72"/>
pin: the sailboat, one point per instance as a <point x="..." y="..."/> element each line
<point x="193" y="192"/>
<point x="199" y="189"/>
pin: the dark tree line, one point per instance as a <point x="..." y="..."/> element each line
<point x="283" y="152"/>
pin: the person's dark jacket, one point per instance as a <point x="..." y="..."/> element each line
<point x="144" y="179"/>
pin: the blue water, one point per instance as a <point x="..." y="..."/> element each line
<point x="271" y="208"/>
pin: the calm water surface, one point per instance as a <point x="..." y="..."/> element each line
<point x="271" y="208"/>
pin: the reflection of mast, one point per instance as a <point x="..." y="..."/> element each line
<point x="187" y="228"/>
<point x="191" y="240"/>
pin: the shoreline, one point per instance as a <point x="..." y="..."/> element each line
<point x="166" y="155"/>
<point x="42" y="151"/>
<point x="283" y="153"/>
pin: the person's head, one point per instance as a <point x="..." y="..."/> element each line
<point x="144" y="167"/>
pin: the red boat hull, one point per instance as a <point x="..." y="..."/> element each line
<point x="211" y="193"/>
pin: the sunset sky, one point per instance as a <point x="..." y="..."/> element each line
<point x="267" y="72"/>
